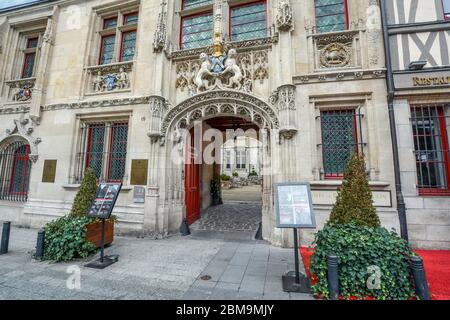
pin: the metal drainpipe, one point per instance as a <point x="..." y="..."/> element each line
<point x="401" y="207"/>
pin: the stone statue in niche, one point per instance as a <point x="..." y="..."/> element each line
<point x="99" y="84"/>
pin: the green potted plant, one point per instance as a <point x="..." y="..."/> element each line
<point x="225" y="179"/>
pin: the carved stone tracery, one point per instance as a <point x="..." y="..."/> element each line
<point x="285" y="16"/>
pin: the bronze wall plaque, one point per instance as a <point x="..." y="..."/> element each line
<point x="49" y="173"/>
<point x="139" y="172"/>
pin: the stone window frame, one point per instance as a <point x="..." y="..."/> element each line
<point x="76" y="171"/>
<point x="191" y="13"/>
<point x="358" y="101"/>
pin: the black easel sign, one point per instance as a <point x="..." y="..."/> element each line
<point x="294" y="207"/>
<point x="105" y="199"/>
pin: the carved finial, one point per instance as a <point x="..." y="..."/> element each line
<point x="160" y="38"/>
<point x="285" y="17"/>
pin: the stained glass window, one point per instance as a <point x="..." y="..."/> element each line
<point x="107" y="50"/>
<point x="128" y="46"/>
<point x="96" y="141"/>
<point x="249" y="22"/>
<point x="15" y="166"/>
<point x="130" y="19"/>
<point x="190" y="4"/>
<point x="110" y="23"/>
<point x="32" y="43"/>
<point x="331" y="15"/>
<point x="431" y="149"/>
<point x="28" y="65"/>
<point x="197" y="31"/>
<point x="118" y="152"/>
<point x="339" y="141"/>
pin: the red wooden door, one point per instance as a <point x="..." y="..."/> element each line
<point x="192" y="185"/>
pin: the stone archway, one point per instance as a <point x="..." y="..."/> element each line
<point x="166" y="192"/>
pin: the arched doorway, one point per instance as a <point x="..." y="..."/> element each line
<point x="168" y="174"/>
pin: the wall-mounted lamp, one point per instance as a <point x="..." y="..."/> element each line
<point x="417" y="65"/>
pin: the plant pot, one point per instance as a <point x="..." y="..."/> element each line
<point x="226" y="184"/>
<point x="94" y="233"/>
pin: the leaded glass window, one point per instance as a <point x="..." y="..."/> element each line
<point x="431" y="149"/>
<point x="15" y="166"/>
<point x="331" y="15"/>
<point x="28" y="65"/>
<point x="96" y="145"/>
<point x="128" y="46"/>
<point x="190" y="4"/>
<point x="339" y="141"/>
<point x="118" y="152"/>
<point x="249" y="21"/>
<point x="107" y="50"/>
<point x="130" y="19"/>
<point x="110" y="23"/>
<point x="196" y="31"/>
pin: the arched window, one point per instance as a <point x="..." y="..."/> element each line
<point x="15" y="168"/>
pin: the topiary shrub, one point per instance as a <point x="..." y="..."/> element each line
<point x="354" y="202"/>
<point x="86" y="194"/>
<point x="65" y="239"/>
<point x="361" y="251"/>
<point x="225" y="177"/>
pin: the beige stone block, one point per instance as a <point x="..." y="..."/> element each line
<point x="437" y="203"/>
<point x="428" y="217"/>
<point x="438" y="233"/>
<point x="417" y="232"/>
<point x="414" y="202"/>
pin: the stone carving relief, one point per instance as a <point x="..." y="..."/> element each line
<point x="336" y="51"/>
<point x="21" y="90"/>
<point x="284" y="100"/>
<point x="158" y="108"/>
<point x="228" y="71"/>
<point x="285" y="16"/>
<point x="110" y="78"/>
<point x="160" y="37"/>
<point x="220" y="102"/>
<point x="24" y="128"/>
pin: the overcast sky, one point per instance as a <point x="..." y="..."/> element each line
<point x="10" y="3"/>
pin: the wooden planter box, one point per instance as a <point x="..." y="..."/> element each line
<point x="94" y="233"/>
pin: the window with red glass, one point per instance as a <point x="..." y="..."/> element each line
<point x="339" y="140"/>
<point x="431" y="147"/>
<point x="29" y="58"/>
<point x="446" y="4"/>
<point x="126" y="31"/>
<point x="106" y="150"/>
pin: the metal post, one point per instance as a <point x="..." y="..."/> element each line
<point x="40" y="245"/>
<point x="297" y="266"/>
<point x="5" y="237"/>
<point x="102" y="253"/>
<point x="333" y="277"/>
<point x="401" y="206"/>
<point x="420" y="278"/>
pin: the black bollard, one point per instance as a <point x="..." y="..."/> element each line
<point x="40" y="245"/>
<point x="184" y="228"/>
<point x="333" y="277"/>
<point x="5" y="238"/>
<point x="420" y="278"/>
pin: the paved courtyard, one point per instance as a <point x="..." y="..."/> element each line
<point x="172" y="268"/>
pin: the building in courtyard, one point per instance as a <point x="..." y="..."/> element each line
<point x="118" y="86"/>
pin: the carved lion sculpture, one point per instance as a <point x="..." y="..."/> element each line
<point x="205" y="67"/>
<point x="232" y="67"/>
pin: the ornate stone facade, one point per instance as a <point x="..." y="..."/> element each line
<point x="282" y="83"/>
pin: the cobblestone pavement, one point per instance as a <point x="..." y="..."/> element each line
<point x="151" y="269"/>
<point x="230" y="217"/>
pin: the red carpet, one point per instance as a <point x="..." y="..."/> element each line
<point x="437" y="268"/>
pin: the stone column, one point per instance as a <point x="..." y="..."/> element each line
<point x="38" y="97"/>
